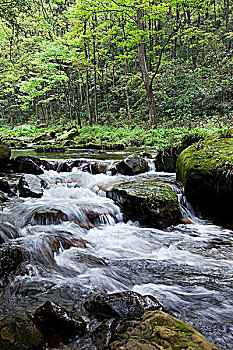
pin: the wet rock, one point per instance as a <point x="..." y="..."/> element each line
<point x="52" y="319"/>
<point x="4" y="186"/>
<point x="148" y="200"/>
<point x="206" y="171"/>
<point x="48" y="165"/>
<point x="89" y="260"/>
<point x="27" y="165"/>
<point x="8" y="231"/>
<point x="3" y="197"/>
<point x="96" y="167"/>
<point x="67" y="243"/>
<point x="158" y="330"/>
<point x="31" y="186"/>
<point x="10" y="183"/>
<point x="48" y="217"/>
<point x="130" y="305"/>
<point x="18" y="331"/>
<point x="5" y="154"/>
<point x="10" y="259"/>
<point x="63" y="167"/>
<point x="132" y="165"/>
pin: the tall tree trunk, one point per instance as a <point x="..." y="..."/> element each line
<point x="87" y="77"/>
<point x="145" y="74"/>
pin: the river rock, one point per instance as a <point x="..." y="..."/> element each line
<point x="5" y="154"/>
<point x="8" y="231"/>
<point x="68" y="135"/>
<point x="4" y="186"/>
<point x="10" y="259"/>
<point x="148" y="200"/>
<point x="48" y="217"/>
<point x="158" y="330"/>
<point x="52" y="319"/>
<point x="31" y="186"/>
<point x="27" y="165"/>
<point x="46" y="136"/>
<point x="130" y="305"/>
<point x="18" y="331"/>
<point x="206" y="171"/>
<point x="132" y="165"/>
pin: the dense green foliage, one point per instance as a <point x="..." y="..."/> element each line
<point x="75" y="60"/>
<point x="105" y="137"/>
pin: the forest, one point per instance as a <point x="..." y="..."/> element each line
<point x="120" y="63"/>
<point x="116" y="174"/>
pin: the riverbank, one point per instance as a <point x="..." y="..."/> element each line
<point x="42" y="138"/>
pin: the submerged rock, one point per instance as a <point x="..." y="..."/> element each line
<point x="52" y="319"/>
<point x="31" y="186"/>
<point x="158" y="330"/>
<point x="130" y="305"/>
<point x="206" y="171"/>
<point x="48" y="217"/>
<point x="10" y="259"/>
<point x="18" y="331"/>
<point x="132" y="165"/>
<point x="148" y="200"/>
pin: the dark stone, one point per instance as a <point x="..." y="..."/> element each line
<point x="4" y="186"/>
<point x="48" y="217"/>
<point x="67" y="243"/>
<point x="10" y="259"/>
<point x="130" y="305"/>
<point x="89" y="260"/>
<point x="18" y="331"/>
<point x="148" y="200"/>
<point x="53" y="319"/>
<point x="27" y="165"/>
<point x="132" y="165"/>
<point x="31" y="186"/>
<point x="63" y="167"/>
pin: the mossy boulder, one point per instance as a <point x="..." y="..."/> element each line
<point x="148" y="200"/>
<point x="5" y="154"/>
<point x="206" y="171"/>
<point x="18" y="331"/>
<point x="158" y="330"/>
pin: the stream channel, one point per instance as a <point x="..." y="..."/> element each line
<point x="188" y="268"/>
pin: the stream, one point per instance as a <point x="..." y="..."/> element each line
<point x="188" y="268"/>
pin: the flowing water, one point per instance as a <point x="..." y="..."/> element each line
<point x="188" y="268"/>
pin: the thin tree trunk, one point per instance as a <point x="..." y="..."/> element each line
<point x="145" y="74"/>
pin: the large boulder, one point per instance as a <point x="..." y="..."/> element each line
<point x="130" y="305"/>
<point x="132" y="165"/>
<point x="158" y="330"/>
<point x="31" y="186"/>
<point x="148" y="200"/>
<point x="5" y="154"/>
<point x="18" y="331"/>
<point x="206" y="171"/>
